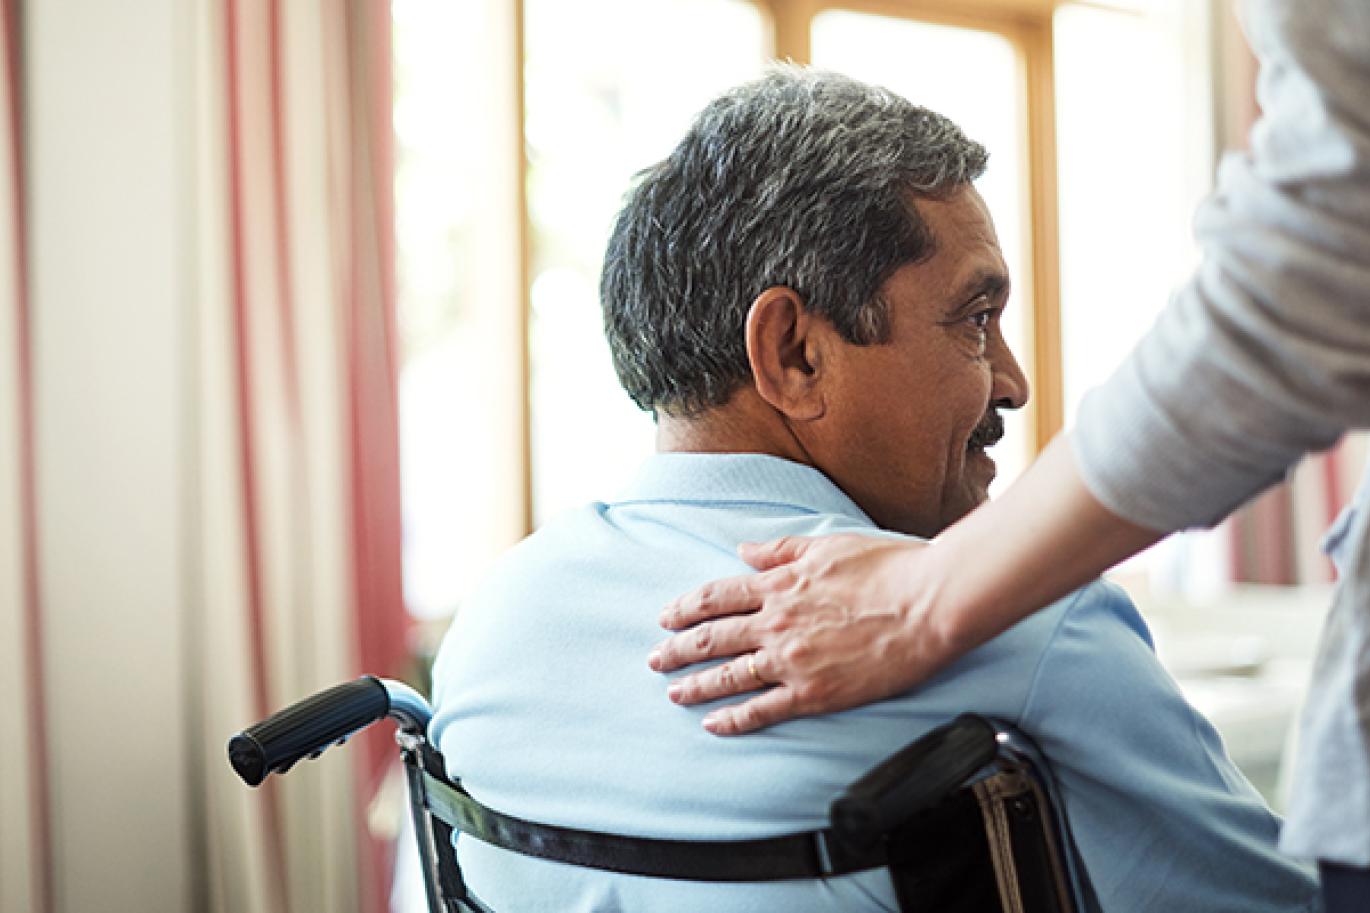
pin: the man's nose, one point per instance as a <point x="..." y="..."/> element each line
<point x="1010" y="388"/>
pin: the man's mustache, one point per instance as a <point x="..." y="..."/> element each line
<point x="988" y="432"/>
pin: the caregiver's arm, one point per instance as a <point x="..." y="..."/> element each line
<point x="879" y="614"/>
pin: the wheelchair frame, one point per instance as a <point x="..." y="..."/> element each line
<point x="969" y="756"/>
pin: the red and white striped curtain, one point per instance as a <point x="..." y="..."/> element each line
<point x="296" y="444"/>
<point x="25" y="863"/>
<point x="1276" y="539"/>
<point x="284" y="448"/>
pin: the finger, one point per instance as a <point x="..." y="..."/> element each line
<point x="729" y="596"/>
<point x="734" y="677"/>
<point x="766" y="555"/>
<point x="766" y="709"/>
<point x="724" y="637"/>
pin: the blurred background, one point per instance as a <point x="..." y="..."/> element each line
<point x="299" y="330"/>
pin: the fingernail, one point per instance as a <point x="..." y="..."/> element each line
<point x="664" y="619"/>
<point x="673" y="692"/>
<point x="654" y="660"/>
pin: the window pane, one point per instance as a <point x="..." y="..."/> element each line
<point x="1134" y="154"/>
<point x="456" y="325"/>
<point x="915" y="59"/>
<point x="611" y="87"/>
<point x="1134" y="147"/>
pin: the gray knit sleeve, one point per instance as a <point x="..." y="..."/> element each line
<point x="1265" y="354"/>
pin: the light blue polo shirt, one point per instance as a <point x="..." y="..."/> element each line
<point x="545" y="709"/>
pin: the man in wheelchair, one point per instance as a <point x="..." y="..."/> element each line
<point x="807" y="296"/>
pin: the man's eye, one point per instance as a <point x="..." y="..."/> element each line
<point x="980" y="319"/>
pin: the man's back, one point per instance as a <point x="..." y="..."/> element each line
<point x="546" y="710"/>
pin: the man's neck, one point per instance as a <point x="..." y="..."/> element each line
<point x="745" y="424"/>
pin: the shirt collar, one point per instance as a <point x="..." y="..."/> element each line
<point x="754" y="478"/>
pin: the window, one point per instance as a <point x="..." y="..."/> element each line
<point x="1135" y="156"/>
<point x="460" y="296"/>
<point x="608" y="94"/>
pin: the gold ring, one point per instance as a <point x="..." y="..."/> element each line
<point x="751" y="667"/>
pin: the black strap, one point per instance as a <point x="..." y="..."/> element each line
<point x="815" y="854"/>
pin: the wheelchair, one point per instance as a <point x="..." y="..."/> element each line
<point x="966" y="818"/>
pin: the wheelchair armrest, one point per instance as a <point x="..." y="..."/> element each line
<point x="917" y="777"/>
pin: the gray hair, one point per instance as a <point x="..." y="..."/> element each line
<point x="802" y="178"/>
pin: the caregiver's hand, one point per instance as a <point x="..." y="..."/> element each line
<point x="836" y="622"/>
<point x="829" y="624"/>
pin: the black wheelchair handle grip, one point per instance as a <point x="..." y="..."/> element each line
<point x="306" y="728"/>
<point x="918" y="777"/>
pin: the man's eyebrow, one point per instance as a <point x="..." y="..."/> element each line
<point x="985" y="283"/>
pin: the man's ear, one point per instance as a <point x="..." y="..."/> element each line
<point x="786" y="345"/>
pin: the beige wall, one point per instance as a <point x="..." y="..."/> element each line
<point x="107" y="147"/>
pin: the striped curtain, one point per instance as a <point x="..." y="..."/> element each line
<point x="25" y="863"/>
<point x="1276" y="538"/>
<point x="295" y="447"/>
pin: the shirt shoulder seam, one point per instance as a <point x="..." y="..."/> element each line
<point x="1038" y="669"/>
